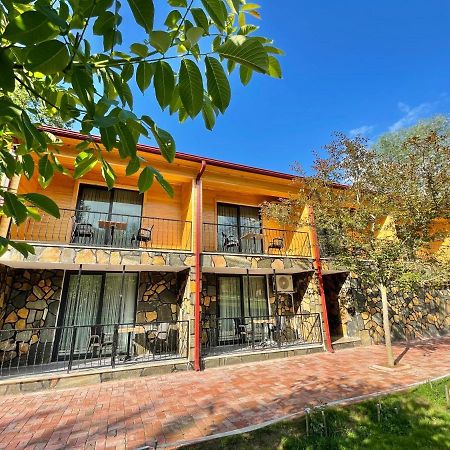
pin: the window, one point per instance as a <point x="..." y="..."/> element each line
<point x="238" y="229"/>
<point x="107" y="217"/>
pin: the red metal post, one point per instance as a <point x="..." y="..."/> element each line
<point x="318" y="268"/>
<point x="198" y="266"/>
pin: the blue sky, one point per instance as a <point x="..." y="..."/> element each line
<point x="350" y="65"/>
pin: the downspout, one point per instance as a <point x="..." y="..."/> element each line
<point x="198" y="266"/>
<point x="318" y="268"/>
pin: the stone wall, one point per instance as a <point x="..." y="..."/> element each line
<point x="160" y="296"/>
<point x="75" y="255"/>
<point x="413" y="315"/>
<point x="33" y="302"/>
<point x="255" y="262"/>
<point x="5" y="287"/>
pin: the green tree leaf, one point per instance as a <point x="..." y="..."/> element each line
<point x="84" y="163"/>
<point x="191" y="87"/>
<point x="200" y="18"/>
<point x="43" y="202"/>
<point x="12" y="207"/>
<point x="217" y="83"/>
<point x="7" y="82"/>
<point x="194" y="34"/>
<point x="217" y="11"/>
<point x="245" y="75"/>
<point x="209" y="116"/>
<point x="29" y="28"/>
<point x="46" y="171"/>
<point x="274" y="68"/>
<point x="160" y="40"/>
<point x="133" y="166"/>
<point x="145" y="179"/>
<point x="164" y="82"/>
<point x="143" y="12"/>
<point x="22" y="247"/>
<point x="48" y="57"/>
<point x="144" y="75"/>
<point x="246" y="51"/>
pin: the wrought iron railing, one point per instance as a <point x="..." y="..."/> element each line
<point x="238" y="334"/>
<point x="255" y="240"/>
<point x="70" y="348"/>
<point x="100" y="229"/>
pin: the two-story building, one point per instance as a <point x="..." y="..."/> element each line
<point x="124" y="279"/>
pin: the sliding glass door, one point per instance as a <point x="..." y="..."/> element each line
<point x="95" y="299"/>
<point x="239" y="229"/>
<point x="240" y="298"/>
<point x="107" y="217"/>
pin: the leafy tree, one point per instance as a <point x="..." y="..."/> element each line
<point x="38" y="111"/>
<point x="382" y="213"/>
<point x="73" y="58"/>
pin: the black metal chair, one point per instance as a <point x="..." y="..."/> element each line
<point x="159" y="339"/>
<point x="82" y="230"/>
<point x="276" y="244"/>
<point x="143" y="235"/>
<point x="98" y="339"/>
<point x="229" y="241"/>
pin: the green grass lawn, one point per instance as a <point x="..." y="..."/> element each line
<point x="418" y="419"/>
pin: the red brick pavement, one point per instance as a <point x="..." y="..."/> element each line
<point x="183" y="406"/>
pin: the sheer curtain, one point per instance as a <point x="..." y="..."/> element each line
<point x="228" y="227"/>
<point x="255" y="296"/>
<point x="250" y="223"/>
<point x="81" y="312"/>
<point x="125" y="204"/>
<point x="229" y="305"/>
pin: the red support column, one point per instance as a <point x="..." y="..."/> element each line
<point x="318" y="268"/>
<point x="198" y="266"/>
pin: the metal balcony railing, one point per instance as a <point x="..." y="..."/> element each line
<point x="100" y="229"/>
<point x="81" y="347"/>
<point x="255" y="240"/>
<point x="243" y="334"/>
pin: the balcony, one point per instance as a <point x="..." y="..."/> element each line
<point x="231" y="335"/>
<point x="84" y="228"/>
<point x="255" y="240"/>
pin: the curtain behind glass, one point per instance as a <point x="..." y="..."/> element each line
<point x="250" y="222"/>
<point x="229" y="306"/>
<point x="255" y="298"/>
<point x="83" y="312"/>
<point x="93" y="206"/>
<point x="227" y="228"/>
<point x="126" y="207"/>
<point x="112" y="311"/>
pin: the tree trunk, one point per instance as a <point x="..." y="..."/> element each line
<point x="387" y="326"/>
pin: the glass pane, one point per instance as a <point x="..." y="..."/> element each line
<point x="255" y="298"/>
<point x="93" y="207"/>
<point x="81" y="309"/>
<point x="251" y="235"/>
<point x="228" y="229"/>
<point x="112" y="311"/>
<point x="229" y="306"/>
<point x="126" y="210"/>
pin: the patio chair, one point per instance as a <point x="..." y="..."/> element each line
<point x="229" y="241"/>
<point x="98" y="339"/>
<point x="82" y="230"/>
<point x="143" y="235"/>
<point x="276" y="244"/>
<point x="159" y="337"/>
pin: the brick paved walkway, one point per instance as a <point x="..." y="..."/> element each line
<point x="182" y="406"/>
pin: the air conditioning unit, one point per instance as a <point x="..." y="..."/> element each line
<point x="284" y="283"/>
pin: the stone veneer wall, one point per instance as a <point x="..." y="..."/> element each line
<point x="33" y="302"/>
<point x="420" y="314"/>
<point x="159" y="296"/>
<point x="5" y="288"/>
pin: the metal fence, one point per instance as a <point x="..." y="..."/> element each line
<point x="238" y="334"/>
<point x="100" y="229"/>
<point x="255" y="240"/>
<point x="70" y="348"/>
